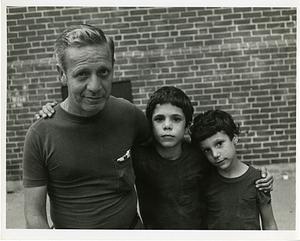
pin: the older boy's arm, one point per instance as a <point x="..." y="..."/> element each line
<point x="35" y="207"/>
<point x="46" y="111"/>
<point x="267" y="217"/>
<point x="266" y="182"/>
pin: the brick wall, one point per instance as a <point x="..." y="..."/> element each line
<point x="242" y="60"/>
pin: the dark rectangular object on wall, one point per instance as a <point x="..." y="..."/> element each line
<point x="120" y="89"/>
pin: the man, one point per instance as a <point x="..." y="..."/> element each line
<point x="81" y="156"/>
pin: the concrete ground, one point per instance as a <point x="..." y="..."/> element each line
<point x="283" y="199"/>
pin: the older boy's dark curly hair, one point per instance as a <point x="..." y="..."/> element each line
<point x="209" y="123"/>
<point x="170" y="95"/>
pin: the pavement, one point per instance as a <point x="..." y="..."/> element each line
<point x="283" y="199"/>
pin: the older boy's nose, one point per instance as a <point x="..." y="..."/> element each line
<point x="167" y="124"/>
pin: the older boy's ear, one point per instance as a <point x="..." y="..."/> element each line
<point x="188" y="129"/>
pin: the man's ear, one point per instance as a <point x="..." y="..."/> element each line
<point x="62" y="75"/>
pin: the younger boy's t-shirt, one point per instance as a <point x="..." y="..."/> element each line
<point x="233" y="203"/>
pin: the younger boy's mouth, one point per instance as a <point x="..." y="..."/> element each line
<point x="220" y="162"/>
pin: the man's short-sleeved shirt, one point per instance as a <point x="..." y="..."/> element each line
<point x="86" y="164"/>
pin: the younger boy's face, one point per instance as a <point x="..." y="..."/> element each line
<point x="168" y="125"/>
<point x="220" y="150"/>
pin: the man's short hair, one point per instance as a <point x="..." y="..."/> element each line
<point x="80" y="36"/>
<point x="170" y="95"/>
<point x="210" y="123"/>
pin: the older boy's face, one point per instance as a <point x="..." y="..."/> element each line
<point x="89" y="74"/>
<point x="220" y="150"/>
<point x="168" y="125"/>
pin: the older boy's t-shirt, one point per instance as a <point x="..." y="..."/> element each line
<point x="169" y="191"/>
<point x="233" y="203"/>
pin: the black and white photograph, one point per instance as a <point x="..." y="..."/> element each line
<point x="148" y="121"/>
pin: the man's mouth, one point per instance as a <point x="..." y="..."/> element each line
<point x="93" y="97"/>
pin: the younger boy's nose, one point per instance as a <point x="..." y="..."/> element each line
<point x="215" y="153"/>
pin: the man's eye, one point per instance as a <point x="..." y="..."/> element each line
<point x="205" y="150"/>
<point x="82" y="74"/>
<point x="104" y="72"/>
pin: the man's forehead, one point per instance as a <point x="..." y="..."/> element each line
<point x="88" y="55"/>
<point x="101" y="51"/>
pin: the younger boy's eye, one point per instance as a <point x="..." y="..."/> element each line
<point x="158" y="119"/>
<point x="219" y="144"/>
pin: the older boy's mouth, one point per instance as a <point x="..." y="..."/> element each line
<point x="167" y="136"/>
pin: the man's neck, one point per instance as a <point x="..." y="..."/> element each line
<point x="169" y="153"/>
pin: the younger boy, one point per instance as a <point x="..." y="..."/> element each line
<point x="233" y="202"/>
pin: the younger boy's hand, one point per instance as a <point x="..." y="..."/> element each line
<point x="266" y="182"/>
<point x="46" y="111"/>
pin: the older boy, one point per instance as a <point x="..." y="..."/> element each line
<point x="232" y="200"/>
<point x="169" y="172"/>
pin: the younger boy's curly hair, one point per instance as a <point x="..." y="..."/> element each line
<point x="211" y="122"/>
<point x="170" y="95"/>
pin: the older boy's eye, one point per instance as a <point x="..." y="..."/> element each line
<point x="177" y="119"/>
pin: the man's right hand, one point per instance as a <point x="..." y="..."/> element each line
<point x="46" y="111"/>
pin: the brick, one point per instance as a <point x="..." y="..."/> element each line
<point x="220" y="68"/>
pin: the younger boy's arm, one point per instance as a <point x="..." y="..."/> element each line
<point x="267" y="217"/>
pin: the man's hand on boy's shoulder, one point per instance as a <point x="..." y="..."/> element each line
<point x="265" y="183"/>
<point x="46" y="111"/>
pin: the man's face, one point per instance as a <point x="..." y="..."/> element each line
<point x="168" y="125"/>
<point x="89" y="74"/>
<point x="220" y="150"/>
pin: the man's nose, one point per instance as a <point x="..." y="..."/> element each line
<point x="95" y="83"/>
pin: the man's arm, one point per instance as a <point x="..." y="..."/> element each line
<point x="267" y="217"/>
<point x="265" y="183"/>
<point x="35" y="207"/>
